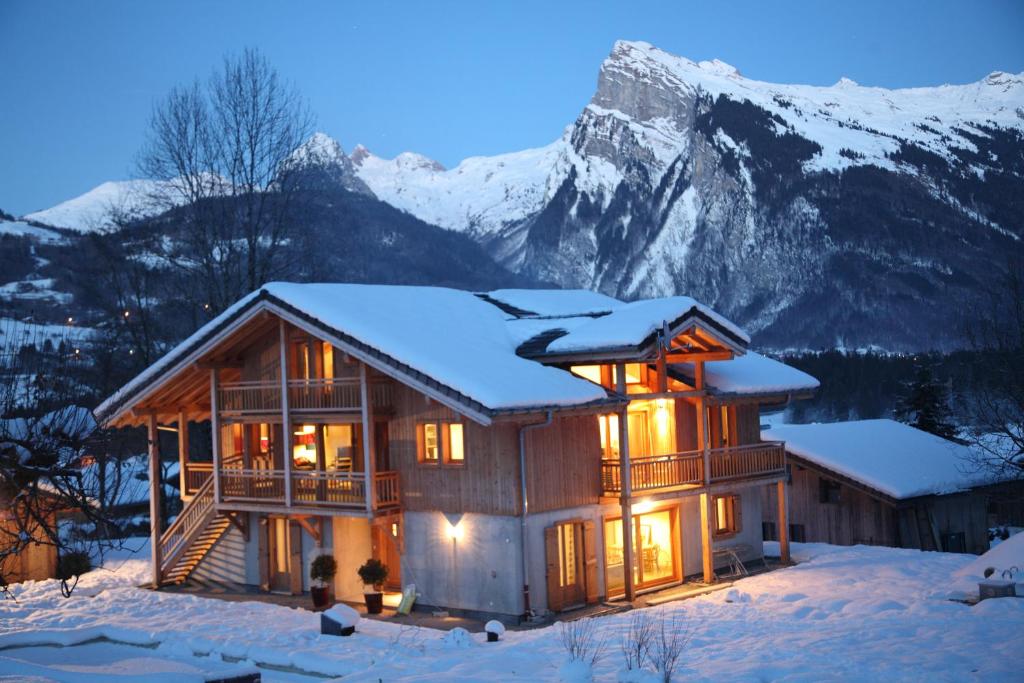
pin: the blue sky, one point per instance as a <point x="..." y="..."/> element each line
<point x="448" y="80"/>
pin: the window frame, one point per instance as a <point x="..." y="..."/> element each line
<point x="830" y="492"/>
<point x="444" y="447"/>
<point x="735" y="521"/>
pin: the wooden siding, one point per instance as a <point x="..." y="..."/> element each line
<point x="563" y="463"/>
<point x="748" y="423"/>
<point x="487" y="483"/>
<point x="856" y="518"/>
<point x="34" y="562"/>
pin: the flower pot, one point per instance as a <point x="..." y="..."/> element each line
<point x="492" y="637"/>
<point x="374" y="603"/>
<point x="321" y="596"/>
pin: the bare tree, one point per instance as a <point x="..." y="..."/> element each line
<point x="46" y="445"/>
<point x="638" y="639"/>
<point x="996" y="401"/>
<point x="219" y="155"/>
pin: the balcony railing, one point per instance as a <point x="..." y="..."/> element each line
<point x="312" y="395"/>
<point x="679" y="470"/>
<point x="754" y="460"/>
<point x="196" y="474"/>
<point x="320" y="489"/>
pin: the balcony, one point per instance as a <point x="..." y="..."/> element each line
<point x="654" y="473"/>
<point x="304" y="395"/>
<point x="309" y="489"/>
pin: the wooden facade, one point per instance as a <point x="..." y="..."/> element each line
<point x="36" y="561"/>
<point x="825" y="507"/>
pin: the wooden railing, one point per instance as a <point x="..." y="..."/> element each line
<point x="190" y="523"/>
<point x="649" y="473"/>
<point x="753" y="460"/>
<point x="303" y="395"/>
<point x="196" y="474"/>
<point x="655" y="472"/>
<point x="386" y="484"/>
<point x="309" y="488"/>
<point x="251" y="485"/>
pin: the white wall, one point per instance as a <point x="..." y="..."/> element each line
<point x="480" y="571"/>
<point x="352" y="546"/>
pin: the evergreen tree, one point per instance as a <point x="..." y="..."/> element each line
<point x="925" y="405"/>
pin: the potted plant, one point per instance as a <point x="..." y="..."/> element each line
<point x="373" y="573"/>
<point x="322" y="571"/>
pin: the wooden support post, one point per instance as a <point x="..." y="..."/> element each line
<point x="154" y="499"/>
<point x="704" y="444"/>
<point x="182" y="453"/>
<point x="626" y="496"/>
<point x="783" y="521"/>
<point x="215" y="432"/>
<point x="286" y="416"/>
<point x="369" y="461"/>
<point x="706" y="537"/>
<point x="662" y="372"/>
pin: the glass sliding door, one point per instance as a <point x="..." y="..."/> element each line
<point x="657" y="555"/>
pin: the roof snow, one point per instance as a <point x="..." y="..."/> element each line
<point x="556" y="302"/>
<point x="752" y="374"/>
<point x="888" y="456"/>
<point x="631" y="324"/>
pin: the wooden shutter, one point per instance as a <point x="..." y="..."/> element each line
<point x="295" y="557"/>
<point x="555" y="598"/>
<point x="263" y="552"/>
<point x="737" y="506"/>
<point x="590" y="560"/>
<point x="686" y="426"/>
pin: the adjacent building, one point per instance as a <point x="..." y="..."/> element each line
<point x="507" y="453"/>
<point x="880" y="482"/>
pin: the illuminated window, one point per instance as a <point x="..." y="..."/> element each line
<point x="591" y="372"/>
<point x="456" y="447"/>
<point x="328" y="360"/>
<point x="726" y="424"/>
<point x="441" y="442"/>
<point x="636" y="373"/>
<point x="431" y="446"/>
<point x="727" y="518"/>
<point x="609" y="426"/>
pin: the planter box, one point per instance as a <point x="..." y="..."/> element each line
<point x="996" y="588"/>
<point x="330" y="627"/>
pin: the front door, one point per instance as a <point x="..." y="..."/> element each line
<point x="385" y="549"/>
<point x="571" y="565"/>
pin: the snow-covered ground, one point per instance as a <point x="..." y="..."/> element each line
<point x="860" y="613"/>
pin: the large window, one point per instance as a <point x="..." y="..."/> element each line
<point x="727" y="515"/>
<point x="441" y="443"/>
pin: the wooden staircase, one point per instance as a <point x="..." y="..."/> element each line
<point x="193" y="533"/>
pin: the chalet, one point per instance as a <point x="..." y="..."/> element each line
<point x="880" y="482"/>
<point x="505" y="452"/>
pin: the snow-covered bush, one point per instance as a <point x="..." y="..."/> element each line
<point x="671" y="636"/>
<point x="636" y="640"/>
<point x="457" y="639"/>
<point x="584" y="644"/>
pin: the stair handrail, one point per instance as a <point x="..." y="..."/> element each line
<point x="190" y="523"/>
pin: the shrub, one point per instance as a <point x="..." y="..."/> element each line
<point x="323" y="569"/>
<point x="71" y="566"/>
<point x="373" y="573"/>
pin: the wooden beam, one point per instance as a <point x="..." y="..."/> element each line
<point x="215" y="433"/>
<point x="154" y="499"/>
<point x="286" y="416"/>
<point x="240" y="522"/>
<point x="677" y="357"/>
<point x="315" y="529"/>
<point x="626" y="492"/>
<point x="707" y="538"/>
<point x="783" y="521"/>
<point x="369" y="461"/>
<point x="662" y="368"/>
<point x="182" y="450"/>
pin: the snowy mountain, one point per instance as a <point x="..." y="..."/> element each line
<point x="816" y="216"/>
<point x="844" y="216"/>
<point x="92" y="211"/>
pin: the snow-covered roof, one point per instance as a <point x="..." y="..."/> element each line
<point x="451" y="336"/>
<point x="888" y="456"/>
<point x="633" y="323"/>
<point x="752" y="374"/>
<point x="556" y="302"/>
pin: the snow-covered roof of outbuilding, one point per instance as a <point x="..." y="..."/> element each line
<point x="752" y="375"/>
<point x="452" y="337"/>
<point x="887" y="456"/>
